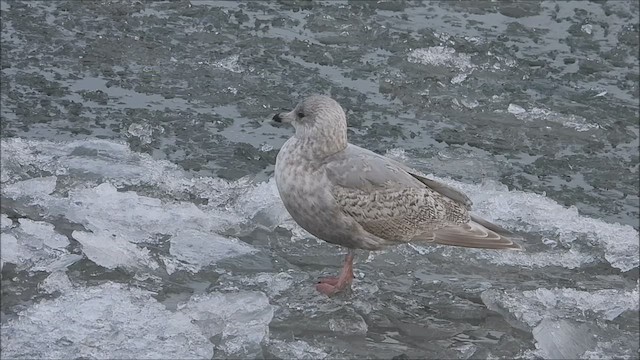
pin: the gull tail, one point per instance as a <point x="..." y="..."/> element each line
<point x="477" y="233"/>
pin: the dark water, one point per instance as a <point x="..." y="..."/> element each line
<point x="140" y="217"/>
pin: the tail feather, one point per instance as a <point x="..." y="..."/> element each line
<point x="477" y="233"/>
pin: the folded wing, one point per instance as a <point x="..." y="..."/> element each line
<point x="397" y="203"/>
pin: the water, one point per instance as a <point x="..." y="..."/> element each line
<point x="140" y="216"/>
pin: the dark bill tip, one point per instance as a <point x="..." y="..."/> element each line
<point x="277" y="118"/>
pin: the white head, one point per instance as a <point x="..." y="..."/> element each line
<point x="319" y="121"/>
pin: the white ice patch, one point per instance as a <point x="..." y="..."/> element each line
<point x="115" y="321"/>
<point x="111" y="251"/>
<point x="5" y="222"/>
<point x="31" y="187"/>
<point x="229" y="63"/>
<point x="534" y="114"/>
<point x="563" y="320"/>
<point x="271" y="284"/>
<point x="261" y="203"/>
<point x="36" y="246"/>
<point x="56" y="281"/>
<point x="195" y="249"/>
<point x="295" y="350"/>
<point x="530" y="212"/>
<point x="446" y="57"/>
<point x="441" y="56"/>
<point x="117" y="222"/>
<point x="241" y="319"/>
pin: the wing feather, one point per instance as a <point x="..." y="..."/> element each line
<point x="397" y="203"/>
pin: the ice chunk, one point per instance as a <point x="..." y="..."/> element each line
<point x="530" y="212"/>
<point x="615" y="349"/>
<point x="441" y="56"/>
<point x="397" y="154"/>
<point x="516" y="109"/>
<point x="5" y="222"/>
<point x="196" y="249"/>
<point x="294" y="350"/>
<point x="146" y="219"/>
<point x="563" y="321"/>
<point x="56" y="281"/>
<point x="570" y="259"/>
<point x="272" y="284"/>
<point x="142" y="131"/>
<point x="111" y="251"/>
<point x="58" y="264"/>
<point x="261" y="203"/>
<point x="114" y="165"/>
<point x="106" y="321"/>
<point x="31" y="187"/>
<point x="528" y="308"/>
<point x="242" y="319"/>
<point x="33" y="245"/>
<point x="42" y="231"/>
<point x="10" y="250"/>
<point x="563" y="339"/>
<point x="576" y="122"/>
<point x="229" y="63"/>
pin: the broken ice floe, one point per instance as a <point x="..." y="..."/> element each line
<point x="576" y="122"/>
<point x="566" y="323"/>
<point x="36" y="246"/>
<point x="115" y="321"/>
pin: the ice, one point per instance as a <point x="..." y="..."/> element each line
<point x="34" y="245"/>
<point x="397" y="153"/>
<point x="229" y="63"/>
<point x="118" y="223"/>
<point x="441" y="56"/>
<point x="9" y="249"/>
<point x="528" y="308"/>
<point x="32" y="187"/>
<point x="570" y="259"/>
<point x="111" y="251"/>
<point x="533" y="213"/>
<point x="195" y="249"/>
<point x="563" y="339"/>
<point x="565" y="322"/>
<point x="56" y="281"/>
<point x="116" y="321"/>
<point x="142" y="131"/>
<point x="516" y="109"/>
<point x="271" y="284"/>
<point x="106" y="321"/>
<point x="576" y="122"/>
<point x="241" y="319"/>
<point x="261" y="203"/>
<point x="42" y="231"/>
<point x="5" y="222"/>
<point x="297" y="349"/>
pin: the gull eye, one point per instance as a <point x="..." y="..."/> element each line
<point x="300" y="114"/>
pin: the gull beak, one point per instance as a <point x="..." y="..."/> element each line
<point x="284" y="117"/>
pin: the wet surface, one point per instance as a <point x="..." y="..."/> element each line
<point x="137" y="163"/>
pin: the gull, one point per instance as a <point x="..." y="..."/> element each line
<point x="355" y="198"/>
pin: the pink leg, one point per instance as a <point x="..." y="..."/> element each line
<point x="332" y="285"/>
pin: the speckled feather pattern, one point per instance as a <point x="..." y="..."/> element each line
<point x="400" y="215"/>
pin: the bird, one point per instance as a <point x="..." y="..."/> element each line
<point x="353" y="197"/>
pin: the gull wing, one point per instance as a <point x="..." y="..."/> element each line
<point x="397" y="203"/>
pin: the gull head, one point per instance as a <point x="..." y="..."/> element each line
<point x="318" y="118"/>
